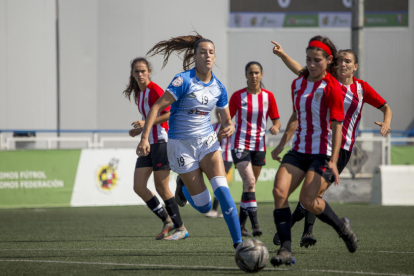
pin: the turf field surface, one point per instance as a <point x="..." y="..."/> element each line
<point x="121" y="241"/>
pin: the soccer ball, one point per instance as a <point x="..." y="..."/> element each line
<point x="251" y="255"/>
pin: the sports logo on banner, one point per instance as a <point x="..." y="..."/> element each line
<point x="107" y="176"/>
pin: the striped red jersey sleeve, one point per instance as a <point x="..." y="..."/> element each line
<point x="273" y="111"/>
<point x="157" y="92"/>
<point x="293" y="95"/>
<point x="233" y="104"/>
<point x="334" y="99"/>
<point x="371" y="96"/>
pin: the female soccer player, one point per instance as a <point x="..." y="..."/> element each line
<point x="318" y="112"/>
<point x="355" y="93"/>
<point x="193" y="147"/>
<point x="252" y="106"/>
<point x="225" y="144"/>
<point x="146" y="93"/>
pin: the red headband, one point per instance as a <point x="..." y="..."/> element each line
<point x="321" y="45"/>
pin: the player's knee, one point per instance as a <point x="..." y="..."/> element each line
<point x="307" y="202"/>
<point x="140" y="190"/>
<point x="160" y="190"/>
<point x="279" y="194"/>
<point x="202" y="201"/>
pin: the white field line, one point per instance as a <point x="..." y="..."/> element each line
<point x="160" y="249"/>
<point x="207" y="267"/>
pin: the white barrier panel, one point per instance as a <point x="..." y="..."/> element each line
<point x="105" y="177"/>
<point x="393" y="185"/>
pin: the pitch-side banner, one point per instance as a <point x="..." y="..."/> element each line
<point x="105" y="177"/>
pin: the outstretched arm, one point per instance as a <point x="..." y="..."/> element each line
<point x="227" y="124"/>
<point x="292" y="64"/>
<point x="336" y="145"/>
<point x="159" y="120"/>
<point x="165" y="100"/>
<point x="386" y="124"/>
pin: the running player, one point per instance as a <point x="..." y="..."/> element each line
<point x="193" y="147"/>
<point x="225" y="144"/>
<point x="318" y="112"/>
<point x="252" y="106"/>
<point x="356" y="93"/>
<point x="146" y="93"/>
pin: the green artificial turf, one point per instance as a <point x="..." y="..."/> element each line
<point x="121" y="241"/>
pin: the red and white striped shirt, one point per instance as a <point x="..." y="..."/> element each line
<point x="316" y="104"/>
<point x="355" y="95"/>
<point x="145" y="100"/>
<point x="225" y="144"/>
<point x="252" y="111"/>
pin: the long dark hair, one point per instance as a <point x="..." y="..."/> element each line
<point x="331" y="68"/>
<point x="133" y="85"/>
<point x="351" y="52"/>
<point x="187" y="44"/>
<point x="261" y="71"/>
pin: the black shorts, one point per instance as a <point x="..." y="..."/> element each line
<point x="343" y="159"/>
<point x="157" y="158"/>
<point x="227" y="166"/>
<point x="257" y="158"/>
<point x="317" y="162"/>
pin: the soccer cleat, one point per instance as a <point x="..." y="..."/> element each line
<point x="349" y="236"/>
<point x="236" y="244"/>
<point x="179" y="195"/>
<point x="245" y="233"/>
<point x="178" y="235"/>
<point x="276" y="240"/>
<point x="212" y="214"/>
<point x="307" y="240"/>
<point x="283" y="257"/>
<point x="257" y="232"/>
<point x="168" y="226"/>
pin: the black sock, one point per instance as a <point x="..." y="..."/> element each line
<point x="215" y="204"/>
<point x="298" y="214"/>
<point x="309" y="222"/>
<point x="283" y="219"/>
<point x="174" y="212"/>
<point x="251" y="205"/>
<point x="157" y="208"/>
<point x="328" y="216"/>
<point x="244" y="214"/>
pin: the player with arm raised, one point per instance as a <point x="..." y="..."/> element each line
<point x="251" y="107"/>
<point x="319" y="111"/>
<point x="193" y="147"/>
<point x="145" y="94"/>
<point x="355" y="94"/>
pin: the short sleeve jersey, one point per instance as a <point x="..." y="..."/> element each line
<point x="190" y="113"/>
<point x="316" y="104"/>
<point x="145" y="100"/>
<point x="251" y="112"/>
<point x="225" y="144"/>
<point x="355" y="95"/>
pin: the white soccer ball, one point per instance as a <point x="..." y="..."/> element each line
<point x="251" y="255"/>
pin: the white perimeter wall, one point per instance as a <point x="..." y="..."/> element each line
<point x="99" y="38"/>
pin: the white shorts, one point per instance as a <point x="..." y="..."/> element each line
<point x="185" y="155"/>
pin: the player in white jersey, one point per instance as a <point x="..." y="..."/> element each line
<point x="318" y="112"/>
<point x="225" y="144"/>
<point x="145" y="94"/>
<point x="355" y="93"/>
<point x="193" y="147"/>
<point x="252" y="106"/>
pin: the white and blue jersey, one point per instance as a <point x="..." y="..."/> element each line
<point x="190" y="113"/>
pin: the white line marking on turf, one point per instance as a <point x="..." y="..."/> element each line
<point x="156" y="249"/>
<point x="206" y="267"/>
